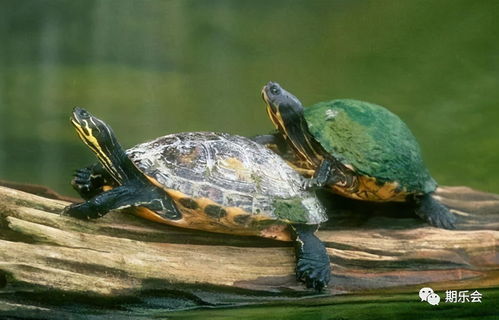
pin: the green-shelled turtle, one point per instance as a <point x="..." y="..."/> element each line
<point x="201" y="180"/>
<point x="357" y="149"/>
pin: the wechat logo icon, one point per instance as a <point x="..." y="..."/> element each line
<point x="424" y="293"/>
<point x="427" y="294"/>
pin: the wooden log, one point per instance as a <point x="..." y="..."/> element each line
<point x="371" y="247"/>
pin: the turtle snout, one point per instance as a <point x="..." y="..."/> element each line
<point x="271" y="94"/>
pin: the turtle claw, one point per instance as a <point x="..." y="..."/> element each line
<point x="445" y="220"/>
<point x="305" y="185"/>
<point x="82" y="180"/>
<point x="322" y="176"/>
<point x="312" y="261"/>
<point x="435" y="213"/>
<point x="87" y="182"/>
<point x="314" y="273"/>
<point x="82" y="211"/>
<point x="311" y="183"/>
<point x="74" y="210"/>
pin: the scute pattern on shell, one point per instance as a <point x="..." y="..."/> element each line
<point x="228" y="169"/>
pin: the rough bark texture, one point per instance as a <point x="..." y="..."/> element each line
<point x="48" y="261"/>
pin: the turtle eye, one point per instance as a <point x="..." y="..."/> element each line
<point x="275" y="90"/>
<point x="84" y="114"/>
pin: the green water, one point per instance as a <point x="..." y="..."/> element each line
<point x="366" y="307"/>
<point x="155" y="67"/>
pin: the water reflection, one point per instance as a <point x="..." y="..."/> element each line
<point x="154" y="67"/>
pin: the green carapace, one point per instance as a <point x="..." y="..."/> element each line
<point x="356" y="149"/>
<point x="372" y="140"/>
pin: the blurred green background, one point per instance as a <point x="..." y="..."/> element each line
<point x="150" y="68"/>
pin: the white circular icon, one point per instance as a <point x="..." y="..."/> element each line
<point x="433" y="299"/>
<point x="424" y="293"/>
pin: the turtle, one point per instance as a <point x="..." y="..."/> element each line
<point x="356" y="149"/>
<point x="208" y="181"/>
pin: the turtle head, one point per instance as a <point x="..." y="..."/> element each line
<point x="286" y="112"/>
<point x="99" y="137"/>
<point x="283" y="107"/>
<point x="94" y="132"/>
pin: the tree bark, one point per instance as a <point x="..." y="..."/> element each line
<point x="124" y="258"/>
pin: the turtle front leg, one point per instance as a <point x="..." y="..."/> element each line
<point x="91" y="180"/>
<point x="328" y="173"/>
<point x="123" y="197"/>
<point x="324" y="175"/>
<point x="312" y="260"/>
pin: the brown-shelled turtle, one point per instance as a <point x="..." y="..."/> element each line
<point x="201" y="180"/>
<point x="355" y="149"/>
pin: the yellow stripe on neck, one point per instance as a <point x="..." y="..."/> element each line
<point x="93" y="144"/>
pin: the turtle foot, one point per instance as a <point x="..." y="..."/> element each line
<point x="435" y="213"/>
<point x="312" y="183"/>
<point x="82" y="180"/>
<point x="79" y="211"/>
<point x="445" y="220"/>
<point x="314" y="272"/>
<point x="312" y="260"/>
<point x="89" y="181"/>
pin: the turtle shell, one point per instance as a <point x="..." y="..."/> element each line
<point x="372" y="141"/>
<point x="231" y="173"/>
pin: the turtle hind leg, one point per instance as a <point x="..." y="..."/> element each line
<point x="312" y="260"/>
<point x="433" y="212"/>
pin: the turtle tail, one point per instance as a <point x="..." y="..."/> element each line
<point x="434" y="212"/>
